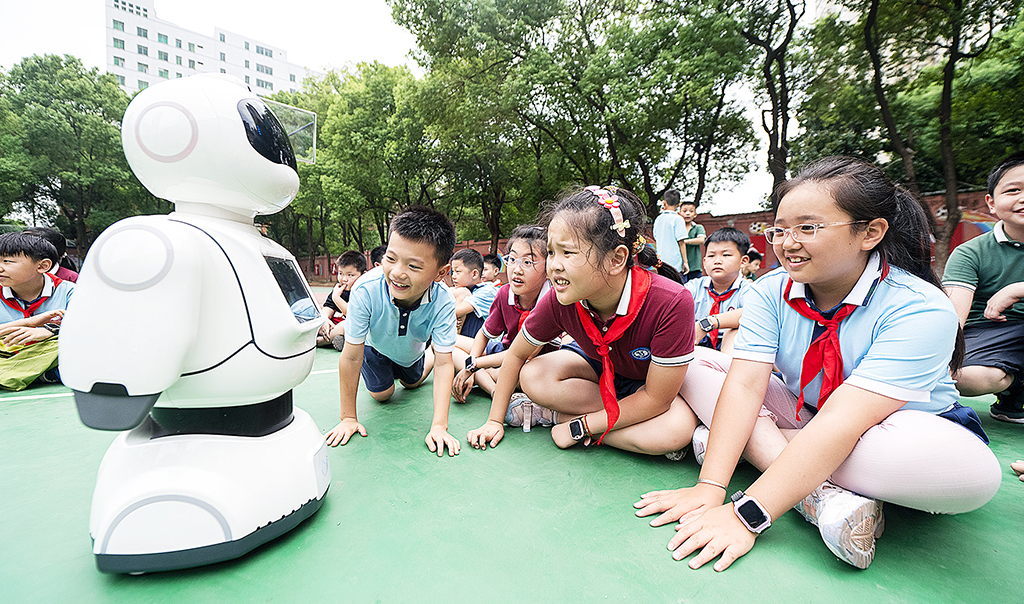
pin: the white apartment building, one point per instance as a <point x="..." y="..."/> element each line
<point x="142" y="50"/>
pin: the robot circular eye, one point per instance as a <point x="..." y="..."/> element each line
<point x="134" y="258"/>
<point x="166" y="132"/>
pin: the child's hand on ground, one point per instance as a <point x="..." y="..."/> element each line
<point x="679" y="504"/>
<point x="717" y="531"/>
<point x="21" y="335"/>
<point x="462" y="385"/>
<point x="340" y="434"/>
<point x="1018" y="467"/>
<point x="438" y="438"/>
<point x="490" y="433"/>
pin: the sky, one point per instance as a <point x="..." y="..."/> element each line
<point x="318" y="34"/>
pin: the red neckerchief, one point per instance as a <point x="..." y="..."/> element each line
<point x="718" y="298"/>
<point x="35" y="305"/>
<point x="824" y="353"/>
<point x="641" y="284"/>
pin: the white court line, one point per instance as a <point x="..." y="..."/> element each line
<point x="323" y="371"/>
<point x="32" y="396"/>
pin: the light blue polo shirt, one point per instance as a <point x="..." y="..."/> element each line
<point x="669" y="230"/>
<point x="57" y="298"/>
<point x="482" y="297"/>
<point x="702" y="301"/>
<point x="898" y="344"/>
<point x="397" y="333"/>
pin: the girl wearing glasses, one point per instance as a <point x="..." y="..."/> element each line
<point x="527" y="281"/>
<point x="865" y="339"/>
<point x="618" y="382"/>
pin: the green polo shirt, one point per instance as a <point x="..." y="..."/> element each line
<point x="985" y="265"/>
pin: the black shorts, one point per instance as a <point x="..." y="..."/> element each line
<point x="994" y="344"/>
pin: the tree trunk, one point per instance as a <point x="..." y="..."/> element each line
<point x="948" y="161"/>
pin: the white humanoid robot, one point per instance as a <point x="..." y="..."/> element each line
<point x="190" y="331"/>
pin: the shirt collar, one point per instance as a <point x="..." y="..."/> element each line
<point x="735" y="285"/>
<point x="862" y="291"/>
<point x="1000" y="235"/>
<point x="46" y="293"/>
<point x="514" y="301"/>
<point x="424" y="299"/>
<point x="623" y="307"/>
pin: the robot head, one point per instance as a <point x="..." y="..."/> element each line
<point x="208" y="139"/>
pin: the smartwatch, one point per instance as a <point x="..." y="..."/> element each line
<point x="578" y="429"/>
<point x="706" y="325"/>
<point x="471" y="365"/>
<point x="750" y="512"/>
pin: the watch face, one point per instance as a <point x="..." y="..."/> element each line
<point x="705" y="324"/>
<point x="752" y="514"/>
<point x="576" y="429"/>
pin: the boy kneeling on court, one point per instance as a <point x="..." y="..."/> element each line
<point x="393" y="311"/>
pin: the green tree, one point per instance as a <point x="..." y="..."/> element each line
<point x="69" y="119"/>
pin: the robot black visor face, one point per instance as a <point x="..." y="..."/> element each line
<point x="266" y="135"/>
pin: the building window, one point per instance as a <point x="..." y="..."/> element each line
<point x="118" y="62"/>
<point x="177" y="59"/>
<point x="222" y="38"/>
<point x="143" y="85"/>
<point x="223" y="57"/>
<point x="143" y="50"/>
<point x="143" y="33"/>
<point x="264" y="69"/>
<point x="291" y="76"/>
<point x="120" y="80"/>
<point x="161" y="55"/>
<point x="118" y="43"/>
<point x="163" y="73"/>
<point x="118" y="25"/>
<point x="191" y="46"/>
<point x="191" y="63"/>
<point x="177" y="42"/>
<point x="161" y="38"/>
<point x="264" y="84"/>
<point x="267" y="52"/>
<point x="143" y="68"/>
<point x="177" y="75"/>
<point x="246" y="79"/>
<point x="247" y="63"/>
<point x="247" y="46"/>
<point x="222" y="70"/>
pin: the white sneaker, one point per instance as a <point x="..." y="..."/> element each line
<point x="700" y="443"/>
<point x="848" y="523"/>
<point x="526" y="413"/>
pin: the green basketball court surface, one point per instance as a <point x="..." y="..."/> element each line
<point x="525" y="522"/>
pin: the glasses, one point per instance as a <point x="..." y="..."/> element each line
<point x="802" y="232"/>
<point x="526" y="263"/>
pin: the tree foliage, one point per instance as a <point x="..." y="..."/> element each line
<point x="60" y="133"/>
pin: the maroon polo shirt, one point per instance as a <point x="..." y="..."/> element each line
<point x="662" y="333"/>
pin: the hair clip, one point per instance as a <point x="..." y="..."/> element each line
<point x="611" y="202"/>
<point x="639" y="244"/>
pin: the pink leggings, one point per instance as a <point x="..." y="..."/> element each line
<point x="914" y="459"/>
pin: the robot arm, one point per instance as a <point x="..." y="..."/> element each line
<point x="132" y="320"/>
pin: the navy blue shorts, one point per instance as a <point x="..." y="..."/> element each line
<point x="494" y="346"/>
<point x="966" y="417"/>
<point x="379" y="372"/>
<point x="992" y="344"/>
<point x="623" y="386"/>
